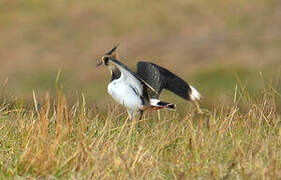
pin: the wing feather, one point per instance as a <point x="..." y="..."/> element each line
<point x="160" y="78"/>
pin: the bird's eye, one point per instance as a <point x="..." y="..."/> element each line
<point x="105" y="60"/>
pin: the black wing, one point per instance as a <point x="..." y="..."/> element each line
<point x="160" y="78"/>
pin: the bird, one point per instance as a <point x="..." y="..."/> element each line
<point x="139" y="91"/>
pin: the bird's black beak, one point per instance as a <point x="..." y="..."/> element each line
<point x="112" y="50"/>
<point x="99" y="63"/>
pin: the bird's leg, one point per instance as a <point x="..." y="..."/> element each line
<point x="130" y="113"/>
<point x="131" y="117"/>
<point x="140" y="117"/>
<point x="199" y="110"/>
<point x="141" y="114"/>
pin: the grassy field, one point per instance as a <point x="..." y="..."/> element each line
<point x="74" y="141"/>
<point x="196" y="39"/>
<point x="230" y="51"/>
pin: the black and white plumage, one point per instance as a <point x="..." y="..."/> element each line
<point x="140" y="91"/>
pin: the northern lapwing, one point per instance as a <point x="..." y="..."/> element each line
<point x="140" y="91"/>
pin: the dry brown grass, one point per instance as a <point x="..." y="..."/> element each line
<point x="39" y="37"/>
<point x="62" y="141"/>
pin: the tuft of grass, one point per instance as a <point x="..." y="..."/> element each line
<point x="57" y="140"/>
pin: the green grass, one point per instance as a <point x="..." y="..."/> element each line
<point x="62" y="141"/>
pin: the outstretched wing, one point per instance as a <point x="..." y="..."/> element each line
<point x="160" y="78"/>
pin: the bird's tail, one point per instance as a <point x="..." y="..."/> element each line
<point x="194" y="94"/>
<point x="157" y="104"/>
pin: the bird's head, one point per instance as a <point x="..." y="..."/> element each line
<point x="107" y="56"/>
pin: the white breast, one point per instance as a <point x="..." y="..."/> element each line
<point x="125" y="94"/>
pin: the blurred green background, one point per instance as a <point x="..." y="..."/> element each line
<point x="213" y="44"/>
